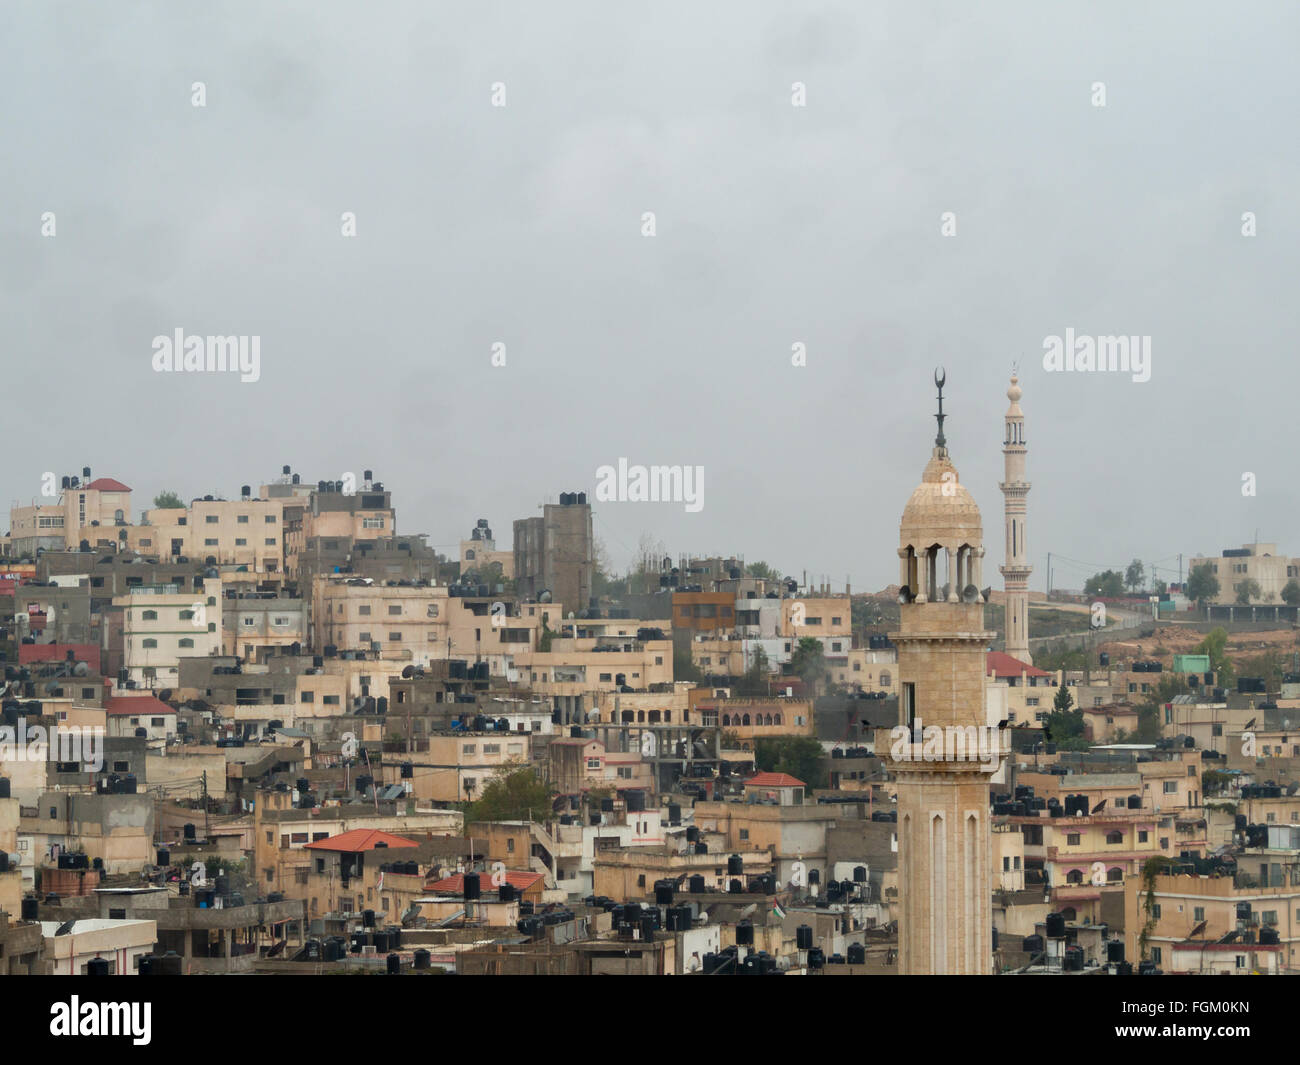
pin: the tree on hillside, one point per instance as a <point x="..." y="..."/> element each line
<point x="808" y="662"/>
<point x="1202" y="584"/>
<point x="1215" y="645"/>
<point x="1064" y="700"/>
<point x="1135" y="575"/>
<point x="800" y="756"/>
<point x="167" y="500"/>
<point x="517" y="795"/>
<point x="1105" y="585"/>
<point x="762" y="571"/>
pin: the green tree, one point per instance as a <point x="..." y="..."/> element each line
<point x="1135" y="575"/>
<point x="517" y="795"/>
<point x="800" y="756"/>
<point x="1291" y="592"/>
<point x="167" y="500"/>
<point x="762" y="571"/>
<point x="808" y="662"/>
<point x="754" y="680"/>
<point x="1202" y="584"/>
<point x="684" y="667"/>
<point x="1106" y="585"/>
<point x="1247" y="590"/>
<point x="1064" y="700"/>
<point x="1215" y="645"/>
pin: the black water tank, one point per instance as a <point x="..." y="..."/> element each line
<point x="701" y="848"/>
<point x="857" y="954"/>
<point x="696" y="884"/>
<point x="859" y="874"/>
<point x="674" y="813"/>
<point x="735" y="887"/>
<point x="31" y="909"/>
<point x="1114" y="951"/>
<point x="368" y="918"/>
<point x="163" y="857"/>
<point x="189" y="832"/>
<point x="507" y="892"/>
<point x="422" y="959"/>
<point x="472" y="888"/>
<point x="803" y="937"/>
<point x="635" y="801"/>
<point x="394" y="965"/>
<point x="735" y="865"/>
<point x="692" y="834"/>
<point x="1056" y="926"/>
<point x="664" y="890"/>
<point x="98" y="967"/>
<point x="745" y="933"/>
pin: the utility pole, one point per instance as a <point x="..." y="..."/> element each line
<point x="206" y="832"/>
<point x="1049" y="575"/>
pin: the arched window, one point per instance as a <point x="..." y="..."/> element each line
<point x="745" y="720"/>
<point x="469" y="554"/>
<point x="726" y="720"/>
<point x="654" y="717"/>
<point x="767" y="720"/>
<point x="1114" y="837"/>
<point x="777" y="718"/>
<point x="186" y="642"/>
<point x="150" y="615"/>
<point x="1114" y="876"/>
<point x="640" y="716"/>
<point x="1074" y="876"/>
<point x="187" y="615"/>
<point x="1069" y="914"/>
<point x="149" y="644"/>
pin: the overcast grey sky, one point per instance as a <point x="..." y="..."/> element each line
<point x="775" y="225"/>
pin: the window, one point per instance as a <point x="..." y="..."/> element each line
<point x="270" y="541"/>
<point x="149" y="644"/>
<point x="593" y="763"/>
<point x="157" y="722"/>
<point x="1198" y="913"/>
<point x="1170" y="787"/>
<point x="395" y="637"/>
<point x="270" y="519"/>
<point x="209" y="543"/>
<point x="364" y="611"/>
<point x="121" y="767"/>
<point x="836" y="621"/>
<point x="149" y="615"/>
<point x="1142" y="835"/>
<point x="491" y="748"/>
<point x="1113" y="838"/>
<point x="211" y="519"/>
<point x="240" y="542"/>
<point x="372" y="523"/>
<point x="1072" y="839"/>
<point x="395" y="610"/>
<point x="242" y="519"/>
<point x="307" y="697"/>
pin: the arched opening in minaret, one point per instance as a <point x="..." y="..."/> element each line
<point x="936" y="572"/>
<point x="911" y="579"/>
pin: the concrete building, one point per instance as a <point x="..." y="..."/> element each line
<point x="1259" y="562"/>
<point x="90" y="511"/>
<point x="163" y="624"/>
<point x="555" y="552"/>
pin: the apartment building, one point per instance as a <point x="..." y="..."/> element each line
<point x="90" y="511"/>
<point x="1258" y="562"/>
<point x="555" y="552"/>
<point x="161" y="624"/>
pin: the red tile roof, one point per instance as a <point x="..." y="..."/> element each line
<point x="1003" y="665"/>
<point x="58" y="652"/>
<point x="774" y="780"/>
<point x="136" y="704"/>
<point x="361" y="839"/>
<point x="106" y="484"/>
<point x="455" y="884"/>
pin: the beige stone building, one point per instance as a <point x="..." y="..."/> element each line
<point x="163" y="624"/>
<point x="91" y="510"/>
<point x="1257" y="562"/>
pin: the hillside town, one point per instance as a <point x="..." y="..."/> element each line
<point x="271" y="734"/>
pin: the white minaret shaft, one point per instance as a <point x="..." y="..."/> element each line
<point x="1015" y="489"/>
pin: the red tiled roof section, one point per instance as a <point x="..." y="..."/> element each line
<point x="774" y="780"/>
<point x="58" y="652"/>
<point x="1003" y="665"/>
<point x="136" y="704"/>
<point x="455" y="884"/>
<point x="106" y="484"/>
<point x="361" y="839"/>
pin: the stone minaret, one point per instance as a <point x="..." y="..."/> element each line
<point x="1014" y="491"/>
<point x="944" y="863"/>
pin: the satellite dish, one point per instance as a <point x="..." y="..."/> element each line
<point x="905" y="594"/>
<point x="945" y="592"/>
<point x="986" y="592"/>
<point x="970" y="594"/>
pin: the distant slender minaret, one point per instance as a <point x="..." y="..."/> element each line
<point x="1014" y="490"/>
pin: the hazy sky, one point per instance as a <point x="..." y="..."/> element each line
<point x="775" y="225"/>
